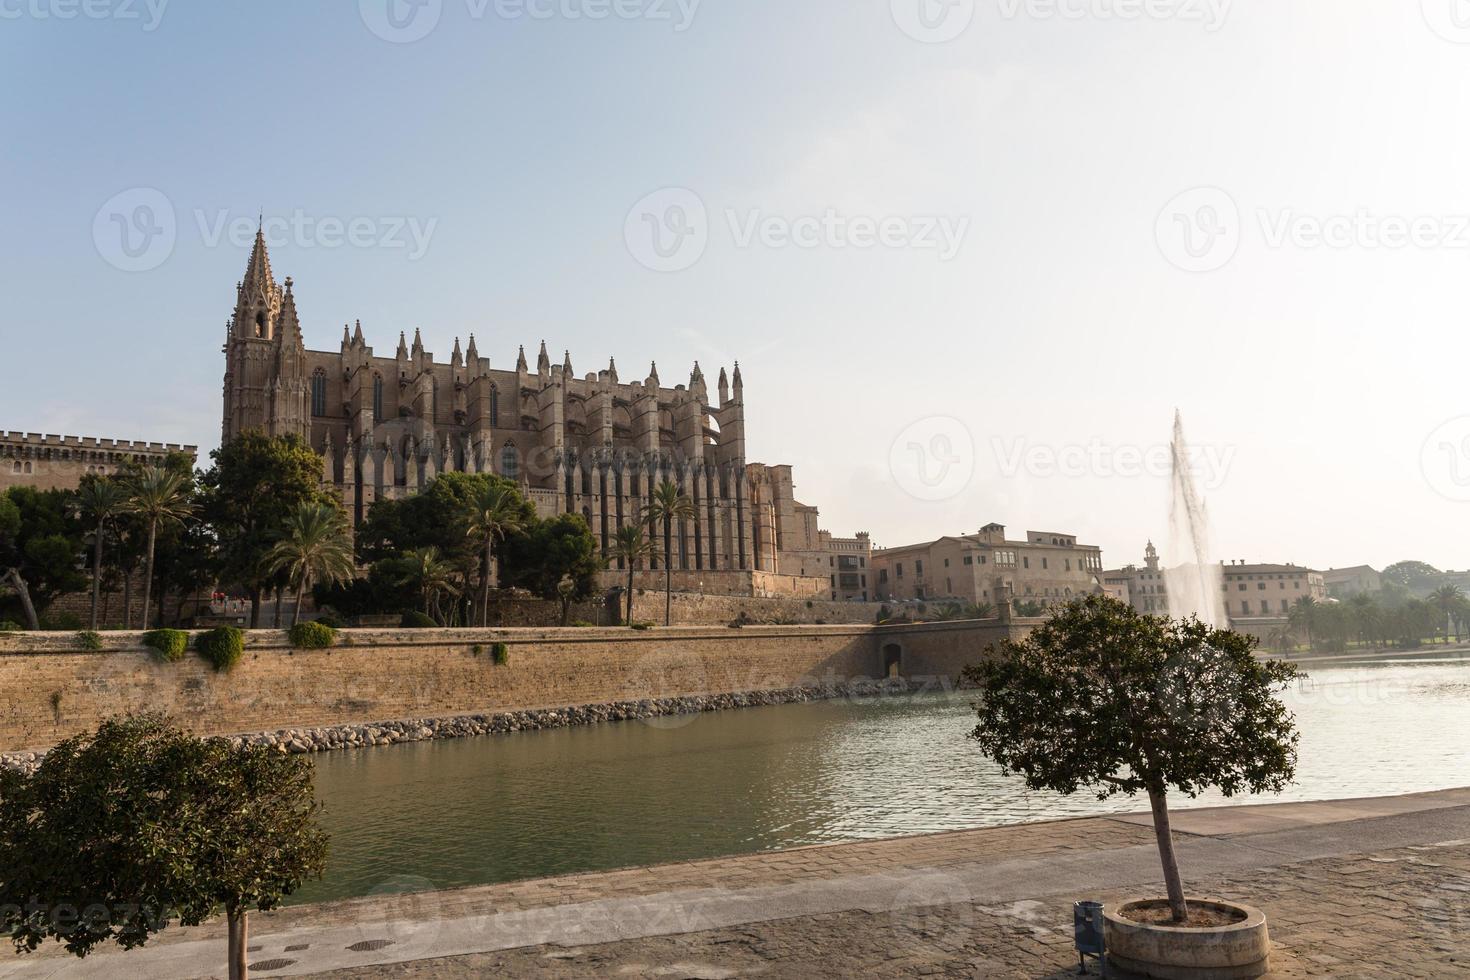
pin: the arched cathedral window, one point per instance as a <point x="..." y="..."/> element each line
<point x="510" y="462"/>
<point x="319" y="393"/>
<point x="494" y="407"/>
<point x="378" y="397"/>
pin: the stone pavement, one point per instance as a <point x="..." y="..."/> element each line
<point x="1351" y="888"/>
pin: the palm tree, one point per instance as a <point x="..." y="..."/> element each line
<point x="100" y="501"/>
<point x="1302" y="615"/>
<point x="1447" y="597"/>
<point x="495" y="512"/>
<point x="430" y="576"/>
<point x="159" y="497"/>
<point x="668" y="504"/>
<point x="316" y="546"/>
<point x="630" y="546"/>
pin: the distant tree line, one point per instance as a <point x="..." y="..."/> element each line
<point x="258" y="522"/>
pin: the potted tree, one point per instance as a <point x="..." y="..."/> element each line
<point x="1107" y="699"/>
<point x="140" y="824"/>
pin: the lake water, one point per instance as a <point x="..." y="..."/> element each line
<point x="477" y="811"/>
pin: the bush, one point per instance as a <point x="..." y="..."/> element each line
<point x="501" y="653"/>
<point x="61" y="621"/>
<point x="331" y="622"/>
<point x="312" y="636"/>
<point x="416" y="620"/>
<point x="89" y="640"/>
<point x="168" y="645"/>
<point x="582" y="624"/>
<point x="642" y="626"/>
<point x="9" y="626"/>
<point x="222" y="647"/>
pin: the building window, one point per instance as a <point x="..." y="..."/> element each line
<point x="919" y="567"/>
<point x="898" y="570"/>
<point x="510" y="463"/>
<point x="1025" y="562"/>
<point x="377" y="398"/>
<point x="494" y="407"/>
<point x="319" y="393"/>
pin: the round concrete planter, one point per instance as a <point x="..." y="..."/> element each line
<point x="1234" y="952"/>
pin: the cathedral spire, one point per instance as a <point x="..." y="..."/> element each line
<point x="521" y="359"/>
<point x="456" y="359"/>
<point x="653" y="374"/>
<point x="612" y="370"/>
<point x="739" y="385"/>
<point x="724" y="386"/>
<point x="418" y="343"/>
<point x="543" y="362"/>
<point x="288" y="326"/>
<point x="566" y="365"/>
<point x="695" y="376"/>
<point x="472" y="354"/>
<point x="402" y="346"/>
<point x="346" y="336"/>
<point x="357" y="335"/>
<point x="258" y="271"/>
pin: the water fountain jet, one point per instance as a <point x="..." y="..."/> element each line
<point x="1191" y="578"/>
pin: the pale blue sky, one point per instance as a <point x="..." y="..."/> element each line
<point x="1059" y="329"/>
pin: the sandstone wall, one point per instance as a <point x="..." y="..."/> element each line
<point x="50" y="689"/>
<point x="939" y="652"/>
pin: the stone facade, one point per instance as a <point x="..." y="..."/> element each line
<point x="48" y="462"/>
<point x="1344" y="583"/>
<point x="986" y="567"/>
<point x="593" y="445"/>
<point x="1142" y="588"/>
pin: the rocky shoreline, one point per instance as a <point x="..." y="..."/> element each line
<point x="332" y="738"/>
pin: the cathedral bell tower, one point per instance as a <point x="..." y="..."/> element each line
<point x="253" y="351"/>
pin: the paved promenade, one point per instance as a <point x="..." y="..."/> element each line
<point x="1363" y="888"/>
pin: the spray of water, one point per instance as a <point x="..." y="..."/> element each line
<point x="1191" y="577"/>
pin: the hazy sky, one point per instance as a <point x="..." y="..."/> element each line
<point x="971" y="257"/>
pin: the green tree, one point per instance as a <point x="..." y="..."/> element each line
<point x="255" y="484"/>
<point x="1029" y="607"/>
<point x="496" y="510"/>
<point x="316" y="546"/>
<point x="435" y="517"/>
<point x="667" y="506"/>
<point x="1416" y="576"/>
<point x="430" y="576"/>
<point x="141" y="823"/>
<point x="538" y="558"/>
<point x="1447" y="599"/>
<point x="630" y="546"/>
<point x="1303" y="617"/>
<point x="1106" y="698"/>
<point x="42" y="558"/>
<point x="160" y="498"/>
<point x="100" y="501"/>
<point x="9" y="557"/>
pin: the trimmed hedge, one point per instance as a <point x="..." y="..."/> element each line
<point x="641" y="627"/>
<point x="10" y="626"/>
<point x="168" y="645"/>
<point x="312" y="636"/>
<point x="89" y="640"/>
<point x="222" y="647"/>
<point x="416" y="620"/>
<point x="501" y="653"/>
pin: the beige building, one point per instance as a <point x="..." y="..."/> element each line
<point x="1342" y="583"/>
<point x="48" y="462"/>
<point x="1258" y="598"/>
<point x="593" y="444"/>
<point x="1047" y="566"/>
<point x="1143" y="588"/>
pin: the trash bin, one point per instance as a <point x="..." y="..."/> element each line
<point x="1087" y="933"/>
